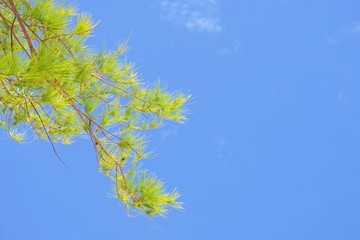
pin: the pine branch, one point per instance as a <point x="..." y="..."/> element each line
<point x="55" y="86"/>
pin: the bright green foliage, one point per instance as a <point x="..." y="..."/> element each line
<point x="53" y="85"/>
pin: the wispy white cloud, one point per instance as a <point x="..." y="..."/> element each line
<point x="341" y="95"/>
<point x="353" y="28"/>
<point x="350" y="30"/>
<point x="223" y="152"/>
<point x="331" y="40"/>
<point x="234" y="49"/>
<point x="196" y="15"/>
<point x="168" y="133"/>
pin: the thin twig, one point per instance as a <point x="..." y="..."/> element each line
<point x="47" y="135"/>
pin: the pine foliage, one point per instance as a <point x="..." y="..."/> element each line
<point x="54" y="87"/>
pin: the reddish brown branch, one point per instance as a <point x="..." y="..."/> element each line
<point x="22" y="26"/>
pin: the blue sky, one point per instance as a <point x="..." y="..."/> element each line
<point x="272" y="145"/>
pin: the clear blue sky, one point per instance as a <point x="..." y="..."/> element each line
<point x="272" y="146"/>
